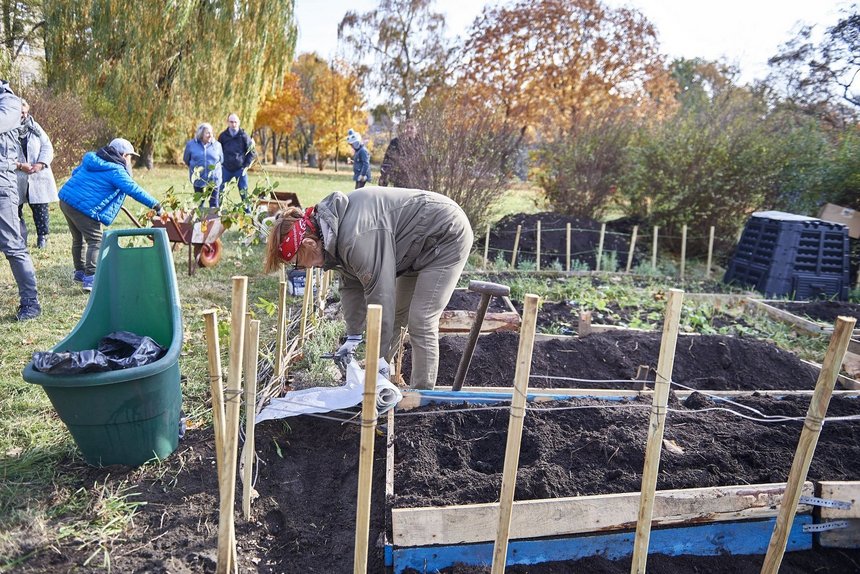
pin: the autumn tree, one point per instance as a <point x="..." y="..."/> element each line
<point x="332" y="103"/>
<point x="144" y="64"/>
<point x="822" y="78"/>
<point x="277" y="117"/>
<point x="405" y="40"/>
<point x="543" y="62"/>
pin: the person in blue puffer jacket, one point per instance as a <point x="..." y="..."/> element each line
<point x="204" y="157"/>
<point x="92" y="198"/>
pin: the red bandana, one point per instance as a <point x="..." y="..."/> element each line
<point x="292" y="240"/>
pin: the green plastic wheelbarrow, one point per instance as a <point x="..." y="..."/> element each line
<point x="127" y="416"/>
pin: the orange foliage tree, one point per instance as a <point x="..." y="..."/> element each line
<point x="545" y="62"/>
<point x="332" y="103"/>
<point x="277" y="117"/>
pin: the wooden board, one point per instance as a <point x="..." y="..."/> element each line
<point x="717" y="539"/>
<point x="461" y="322"/>
<point x="586" y="514"/>
<point x="847" y="492"/>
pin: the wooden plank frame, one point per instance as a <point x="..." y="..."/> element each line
<point x="459" y="321"/>
<point x="738" y="517"/>
<point x="846" y="492"/>
<point x="813" y="327"/>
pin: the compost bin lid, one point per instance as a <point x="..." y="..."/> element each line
<point x="783" y="216"/>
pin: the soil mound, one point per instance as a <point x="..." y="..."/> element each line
<point x="585" y="237"/>
<point x="468" y="301"/>
<point x="609" y="360"/>
<point x="598" y="447"/>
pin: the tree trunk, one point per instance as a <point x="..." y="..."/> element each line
<point x="147" y="146"/>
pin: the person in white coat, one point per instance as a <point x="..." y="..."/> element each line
<point x="36" y="184"/>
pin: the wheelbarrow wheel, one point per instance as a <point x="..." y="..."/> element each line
<point x="210" y="254"/>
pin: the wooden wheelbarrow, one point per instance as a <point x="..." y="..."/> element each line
<point x="202" y="236"/>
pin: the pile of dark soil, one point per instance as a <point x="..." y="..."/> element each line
<point x="824" y="311"/>
<point x="713" y="362"/>
<point x="303" y="521"/>
<point x="585" y="237"/>
<point x="469" y="301"/>
<point x="598" y="447"/>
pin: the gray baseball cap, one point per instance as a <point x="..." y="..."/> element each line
<point x="123" y="146"/>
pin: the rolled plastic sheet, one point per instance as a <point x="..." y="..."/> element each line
<point x="327" y="399"/>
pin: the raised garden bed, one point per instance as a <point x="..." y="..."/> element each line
<point x="580" y="468"/>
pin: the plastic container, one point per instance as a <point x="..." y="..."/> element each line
<point x="787" y="255"/>
<point x="128" y="416"/>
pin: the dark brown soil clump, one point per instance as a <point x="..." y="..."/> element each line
<point x="608" y="360"/>
<point x="598" y="447"/>
<point x="468" y="301"/>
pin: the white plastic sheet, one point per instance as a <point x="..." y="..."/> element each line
<point x="327" y="399"/>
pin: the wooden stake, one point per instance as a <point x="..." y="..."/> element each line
<point x="515" y="432"/>
<point x="632" y="247"/>
<point x="808" y="441"/>
<point x="600" y="246"/>
<point x="654" y="249"/>
<point x="306" y="303"/>
<point x="665" y="363"/>
<point x="213" y="349"/>
<point x="683" y="249"/>
<point x="516" y="246"/>
<point x="226" y="527"/>
<point x="584" y="327"/>
<point x="282" y="328"/>
<point x="487" y="248"/>
<point x="710" y="252"/>
<point x="368" y="435"/>
<point x="537" y="259"/>
<point x="567" y="247"/>
<point x="398" y="364"/>
<point x="252" y="351"/>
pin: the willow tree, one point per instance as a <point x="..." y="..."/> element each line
<point x="145" y="64"/>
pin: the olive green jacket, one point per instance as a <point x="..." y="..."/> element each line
<point x="376" y="234"/>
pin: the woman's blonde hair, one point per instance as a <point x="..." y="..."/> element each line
<point x="283" y="223"/>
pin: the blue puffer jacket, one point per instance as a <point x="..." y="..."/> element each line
<point x="97" y="189"/>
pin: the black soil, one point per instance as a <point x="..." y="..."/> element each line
<point x="462" y="300"/>
<point x="609" y="360"/>
<point x="596" y="447"/>
<point x="823" y="311"/>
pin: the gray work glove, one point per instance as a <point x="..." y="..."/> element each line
<point x="346" y="351"/>
<point x="362" y="178"/>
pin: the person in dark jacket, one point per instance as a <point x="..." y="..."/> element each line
<point x="393" y="169"/>
<point x="12" y="244"/>
<point x="360" y="159"/>
<point x="92" y="198"/>
<point x="403" y="249"/>
<point x="239" y="154"/>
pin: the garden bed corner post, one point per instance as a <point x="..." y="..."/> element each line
<point x="252" y="350"/>
<point x="807" y="442"/>
<point x="597" y="263"/>
<point x="368" y="435"/>
<point x="662" y="383"/>
<point x="516" y="246"/>
<point x="281" y="342"/>
<point x="632" y="249"/>
<point x="515" y="431"/>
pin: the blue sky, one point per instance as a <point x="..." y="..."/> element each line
<point x="742" y="32"/>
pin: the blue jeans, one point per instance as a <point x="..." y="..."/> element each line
<point x="241" y="178"/>
<point x="13" y="246"/>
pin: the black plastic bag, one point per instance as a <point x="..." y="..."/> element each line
<point x="119" y="350"/>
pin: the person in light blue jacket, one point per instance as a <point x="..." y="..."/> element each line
<point x="93" y="196"/>
<point x="204" y="158"/>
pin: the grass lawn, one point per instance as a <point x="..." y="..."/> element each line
<point x="37" y="499"/>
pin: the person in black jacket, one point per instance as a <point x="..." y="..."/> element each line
<point x="392" y="169"/>
<point x="239" y="154"/>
